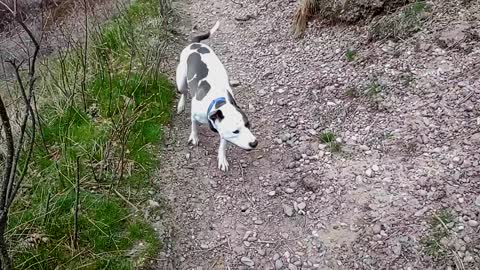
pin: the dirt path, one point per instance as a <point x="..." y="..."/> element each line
<point x="407" y="150"/>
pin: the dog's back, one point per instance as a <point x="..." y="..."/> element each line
<point x="200" y="71"/>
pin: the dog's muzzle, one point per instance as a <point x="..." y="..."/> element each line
<point x="253" y="144"/>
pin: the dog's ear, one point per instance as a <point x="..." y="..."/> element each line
<point x="216" y="115"/>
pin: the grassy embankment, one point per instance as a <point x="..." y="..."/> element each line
<point x="102" y="105"/>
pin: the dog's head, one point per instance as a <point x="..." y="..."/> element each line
<point x="232" y="124"/>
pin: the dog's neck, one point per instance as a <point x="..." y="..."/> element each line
<point x="215" y="101"/>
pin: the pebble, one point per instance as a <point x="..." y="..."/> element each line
<point x="292" y="267"/>
<point x="468" y="259"/>
<point x="376" y="229"/>
<point x="369" y="173"/>
<point x="247" y="261"/>
<point x="261" y="252"/>
<point x="153" y="204"/>
<point x="472" y="223"/>
<point x="302" y="205"/>
<point x="278" y="264"/>
<point x="477" y="201"/>
<point x="375" y="168"/>
<point x="288" y="210"/>
<point x="258" y="222"/>
<point x="289" y="190"/>
<point x="234" y="83"/>
<point x="271" y="193"/>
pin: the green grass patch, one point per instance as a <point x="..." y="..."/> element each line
<point x="105" y="228"/>
<point x="373" y="89"/>
<point x="351" y="55"/>
<point x="330" y="139"/>
<point x="402" y="24"/>
<point x="439" y="229"/>
<point x="115" y="141"/>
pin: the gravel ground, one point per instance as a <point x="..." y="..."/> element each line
<point x="409" y="147"/>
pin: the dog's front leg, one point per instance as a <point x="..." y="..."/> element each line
<point x="222" y="157"/>
<point x="193" y="139"/>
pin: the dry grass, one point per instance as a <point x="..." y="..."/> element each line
<point x="305" y="11"/>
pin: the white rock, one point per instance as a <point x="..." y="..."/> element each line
<point x="472" y="223"/>
<point x="302" y="205"/>
<point x="247" y="261"/>
<point x="153" y="204"/>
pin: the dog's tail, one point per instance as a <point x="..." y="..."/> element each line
<point x="206" y="35"/>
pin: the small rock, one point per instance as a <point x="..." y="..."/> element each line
<point x="472" y="223"/>
<point x="271" y="193"/>
<point x="477" y="201"/>
<point x="261" y="252"/>
<point x="468" y="259"/>
<point x="153" y="204"/>
<point x="292" y="267"/>
<point x="364" y="147"/>
<point x="288" y="210"/>
<point x="289" y="190"/>
<point x="302" y="205"/>
<point x="475" y="138"/>
<point x="278" y="264"/>
<point x="247" y="261"/>
<point x="204" y="246"/>
<point x="377" y="229"/>
<point x="258" y="222"/>
<point x="369" y="173"/>
<point x="234" y="83"/>
<point x="375" y="168"/>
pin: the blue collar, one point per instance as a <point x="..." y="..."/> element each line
<point x="213" y="103"/>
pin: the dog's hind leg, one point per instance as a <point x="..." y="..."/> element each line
<point x="182" y="86"/>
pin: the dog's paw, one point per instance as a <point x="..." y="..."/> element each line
<point x="223" y="163"/>
<point x="181" y="105"/>
<point x="193" y="139"/>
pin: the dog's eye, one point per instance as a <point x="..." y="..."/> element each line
<point x="236" y="131"/>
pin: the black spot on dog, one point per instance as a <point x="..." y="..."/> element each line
<point x="231" y="99"/>
<point x="195" y="46"/>
<point x="234" y="103"/>
<point x="196" y="71"/>
<point x="203" y="50"/>
<point x="202" y="90"/>
<point x="217" y="115"/>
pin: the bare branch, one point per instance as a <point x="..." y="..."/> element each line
<point x="8" y="8"/>
<point x="10" y="154"/>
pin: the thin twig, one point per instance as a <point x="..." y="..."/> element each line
<point x="127" y="201"/>
<point x="47" y="206"/>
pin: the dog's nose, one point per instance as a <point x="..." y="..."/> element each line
<point x="253" y="144"/>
